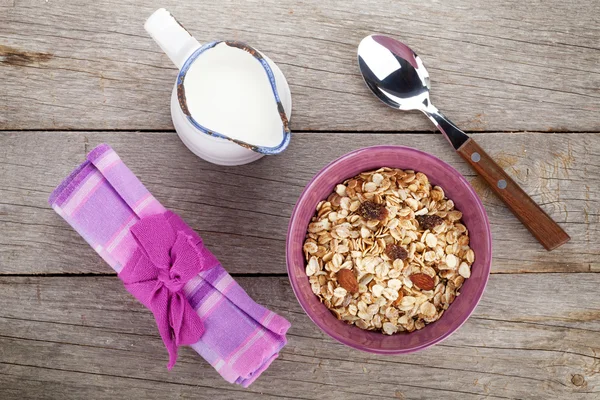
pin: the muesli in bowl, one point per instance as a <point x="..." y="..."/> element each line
<point x="387" y="251"/>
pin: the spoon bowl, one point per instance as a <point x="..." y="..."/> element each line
<point x="394" y="73"/>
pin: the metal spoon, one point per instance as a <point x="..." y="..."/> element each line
<point x="396" y="75"/>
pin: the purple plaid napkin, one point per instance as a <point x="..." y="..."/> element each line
<point x="102" y="199"/>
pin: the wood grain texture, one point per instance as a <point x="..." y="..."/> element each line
<point x="532" y="337"/>
<point x="531" y="215"/>
<point x="242" y="212"/>
<point x="495" y="66"/>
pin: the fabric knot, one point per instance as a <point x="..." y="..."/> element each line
<point x="174" y="284"/>
<point x="166" y="259"/>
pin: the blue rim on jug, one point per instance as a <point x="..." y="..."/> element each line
<point x="183" y="104"/>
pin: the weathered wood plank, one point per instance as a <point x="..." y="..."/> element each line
<point x="508" y="65"/>
<point x="66" y="337"/>
<point x="242" y="212"/>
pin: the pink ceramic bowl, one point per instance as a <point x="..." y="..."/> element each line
<point x="456" y="188"/>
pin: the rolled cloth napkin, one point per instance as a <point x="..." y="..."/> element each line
<point x="163" y="263"/>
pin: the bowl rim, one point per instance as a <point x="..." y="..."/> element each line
<point x="294" y="284"/>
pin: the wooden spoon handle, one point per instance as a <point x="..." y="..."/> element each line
<point x="545" y="230"/>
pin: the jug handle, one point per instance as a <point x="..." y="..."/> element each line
<point x="171" y="36"/>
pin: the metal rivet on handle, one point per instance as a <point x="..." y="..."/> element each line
<point x="476" y="157"/>
<point x="502" y="184"/>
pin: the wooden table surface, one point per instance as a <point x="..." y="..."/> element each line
<point x="522" y="77"/>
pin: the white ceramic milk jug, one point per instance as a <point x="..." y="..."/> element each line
<point x="230" y="104"/>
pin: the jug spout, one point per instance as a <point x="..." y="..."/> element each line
<point x="171" y="36"/>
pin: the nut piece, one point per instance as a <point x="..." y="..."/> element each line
<point x="395" y="252"/>
<point x="429" y="221"/>
<point x="423" y="282"/>
<point x="372" y="211"/>
<point x="347" y="280"/>
<point x="464" y="270"/>
<point x="312" y="267"/>
<point x="452" y="261"/>
<point x="340" y="292"/>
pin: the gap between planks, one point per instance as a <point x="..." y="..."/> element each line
<point x="316" y="131"/>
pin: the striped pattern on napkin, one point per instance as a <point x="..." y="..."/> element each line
<point x="101" y="199"/>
